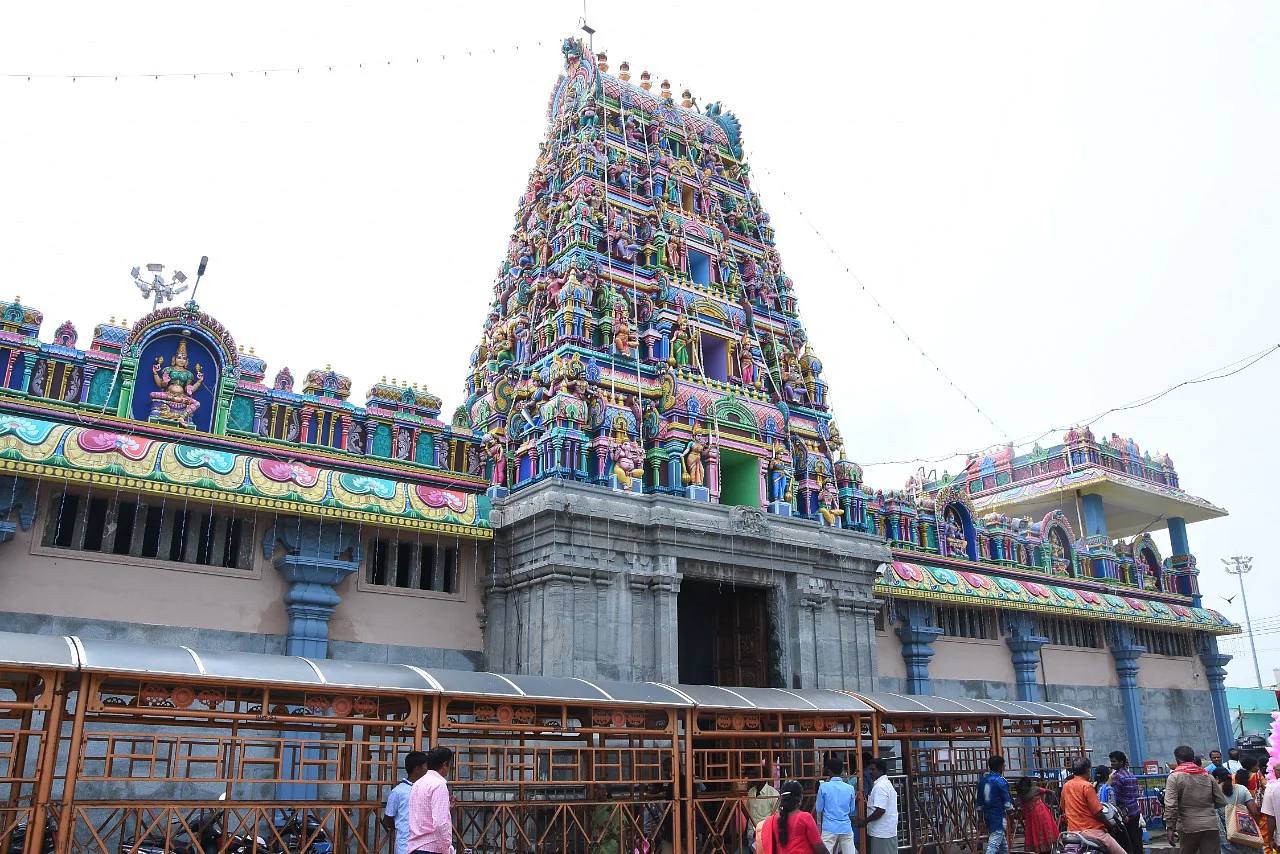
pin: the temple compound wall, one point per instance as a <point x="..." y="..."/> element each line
<point x="587" y="582"/>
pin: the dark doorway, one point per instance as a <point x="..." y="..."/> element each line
<point x="723" y="634"/>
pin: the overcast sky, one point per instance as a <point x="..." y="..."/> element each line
<point x="1069" y="206"/>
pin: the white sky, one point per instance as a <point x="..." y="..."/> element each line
<point x="1071" y="205"/>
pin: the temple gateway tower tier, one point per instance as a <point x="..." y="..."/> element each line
<point x="668" y="481"/>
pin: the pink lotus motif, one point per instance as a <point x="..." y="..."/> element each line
<point x="1090" y="597"/>
<point x="435" y="497"/>
<point x="100" y="441"/>
<point x="282" y="472"/>
<point x="1135" y="604"/>
<point x="977" y="582"/>
<point x="908" y="572"/>
<point x="1036" y="590"/>
<point x="1181" y="611"/>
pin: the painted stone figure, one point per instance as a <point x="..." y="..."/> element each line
<point x="695" y="459"/>
<point x="781" y="473"/>
<point x="627" y="455"/>
<point x="175" y="402"/>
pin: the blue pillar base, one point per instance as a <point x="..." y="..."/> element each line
<point x="497" y="492"/>
<point x="780" y="508"/>
<point x="698" y="493"/>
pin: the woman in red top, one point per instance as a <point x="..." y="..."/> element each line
<point x="1039" y="827"/>
<point x="790" y="831"/>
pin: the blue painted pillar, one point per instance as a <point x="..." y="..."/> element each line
<point x="1024" y="645"/>
<point x="917" y="634"/>
<point x="16" y="494"/>
<point x="314" y="557"/>
<point x="1126" y="651"/>
<point x="1215" y="671"/>
<point x="1178" y="536"/>
<point x="1095" y="519"/>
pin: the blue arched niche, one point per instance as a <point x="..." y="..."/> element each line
<point x="199" y="352"/>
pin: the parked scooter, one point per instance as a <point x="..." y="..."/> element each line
<point x="1078" y="843"/>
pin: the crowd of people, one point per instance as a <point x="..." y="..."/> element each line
<point x="1218" y="807"/>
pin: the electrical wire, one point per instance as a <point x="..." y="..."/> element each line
<point x="1249" y="361"/>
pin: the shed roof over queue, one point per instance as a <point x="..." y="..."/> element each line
<point x="99" y="655"/>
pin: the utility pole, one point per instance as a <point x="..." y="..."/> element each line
<point x="1238" y="566"/>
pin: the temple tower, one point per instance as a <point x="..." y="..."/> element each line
<point x="670" y="493"/>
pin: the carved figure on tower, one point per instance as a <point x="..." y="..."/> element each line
<point x="175" y="402"/>
<point x="627" y="455"/>
<point x="695" y="458"/>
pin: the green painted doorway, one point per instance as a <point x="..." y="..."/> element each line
<point x="739" y="479"/>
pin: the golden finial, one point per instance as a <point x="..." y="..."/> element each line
<point x="602" y="61"/>
<point x="415" y="386"/>
<point x="384" y="378"/>
<point x="241" y="348"/>
<point x="624" y="71"/>
<point x="666" y="90"/>
<point x="686" y="99"/>
<point x="113" y="320"/>
<point x="393" y="381"/>
<point x="17" y="299"/>
<point x="253" y="351"/>
<point x="328" y="367"/>
<point x="124" y="323"/>
<point x="645" y="83"/>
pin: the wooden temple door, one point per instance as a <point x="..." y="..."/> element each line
<point x="742" y="648"/>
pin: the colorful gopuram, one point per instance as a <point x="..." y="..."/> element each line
<point x="643" y="482"/>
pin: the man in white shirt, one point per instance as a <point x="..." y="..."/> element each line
<point x="881" y="821"/>
<point x="396" y="816"/>
<point x="1233" y="761"/>
<point x="1271" y="806"/>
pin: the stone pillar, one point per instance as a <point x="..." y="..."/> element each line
<point x="1215" y="670"/>
<point x="86" y="379"/>
<point x="1126" y="651"/>
<point x="314" y="557"/>
<point x="1024" y="644"/>
<point x="917" y="634"/>
<point x="1095" y="519"/>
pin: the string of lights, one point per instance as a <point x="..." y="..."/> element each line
<point x="241" y="73"/>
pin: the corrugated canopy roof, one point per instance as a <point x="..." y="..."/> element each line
<point x="110" y="656"/>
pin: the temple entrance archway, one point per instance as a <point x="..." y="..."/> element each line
<point x="723" y="634"/>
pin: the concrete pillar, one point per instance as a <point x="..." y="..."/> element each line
<point x="1215" y="670"/>
<point x="314" y="557"/>
<point x="1126" y="651"/>
<point x="917" y="634"/>
<point x="1095" y="519"/>
<point x="1024" y="645"/>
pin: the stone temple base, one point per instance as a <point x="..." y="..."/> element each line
<point x="585" y="583"/>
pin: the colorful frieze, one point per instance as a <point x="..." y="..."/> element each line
<point x="968" y="587"/>
<point x="40" y="448"/>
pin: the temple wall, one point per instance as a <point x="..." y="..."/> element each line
<point x="974" y="660"/>
<point x="91" y="586"/>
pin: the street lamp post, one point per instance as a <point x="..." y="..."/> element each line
<point x="1238" y="566"/>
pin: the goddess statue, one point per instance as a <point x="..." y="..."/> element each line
<point x="176" y="401"/>
<point x="829" y="504"/>
<point x="695" y="458"/>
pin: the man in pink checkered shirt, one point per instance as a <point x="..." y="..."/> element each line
<point x="430" y="824"/>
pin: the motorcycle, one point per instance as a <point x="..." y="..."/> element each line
<point x="1071" y="842"/>
<point x="208" y="833"/>
<point x="18" y="838"/>
<point x="301" y="834"/>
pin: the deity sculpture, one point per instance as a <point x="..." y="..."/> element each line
<point x="495" y="448"/>
<point x="694" y="459"/>
<point x="829" y="504"/>
<point x="746" y="361"/>
<point x="176" y="402"/>
<point x="953" y="531"/>
<point x="781" y="473"/>
<point x="627" y="455"/>
<point x="681" y="345"/>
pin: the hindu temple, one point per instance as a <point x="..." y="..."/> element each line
<point x="643" y="480"/>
